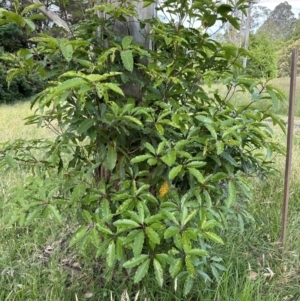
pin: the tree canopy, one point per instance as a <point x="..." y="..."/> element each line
<point x="280" y="22"/>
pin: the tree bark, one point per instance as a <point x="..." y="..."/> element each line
<point x="247" y="33"/>
<point x="52" y="16"/>
<point x="132" y="27"/>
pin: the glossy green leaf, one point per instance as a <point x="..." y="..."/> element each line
<point x="67" y="51"/>
<point x="126" y="41"/>
<point x="175" y="267"/>
<point x="207" y="198"/>
<point x="111" y="254"/>
<point x="189" y="266"/>
<point x="30" y="24"/>
<point x="111" y="157"/>
<point x="32" y="215"/>
<point x="188" y="284"/>
<point x="170" y="216"/>
<point x="138" y="244"/>
<point x="112" y="87"/>
<point x="134" y="120"/>
<point x="31" y="7"/>
<point x="189" y="217"/>
<point x="169" y="158"/>
<point x="10" y="161"/>
<point x="55" y="213"/>
<point x="87" y="216"/>
<point x="171" y="231"/>
<point x="135" y="261"/>
<point x="158" y="271"/>
<point x="209" y="224"/>
<point x="160" y="129"/>
<point x="78" y="235"/>
<point x="85" y="125"/>
<point x="197" y="252"/>
<point x="197" y="174"/>
<point x="218" y="177"/>
<point x="127" y="59"/>
<point x="150" y="148"/>
<point x="126" y="223"/>
<point x="68" y="84"/>
<point x="213" y="237"/>
<point x="141" y="158"/>
<point x="204" y="119"/>
<point x="196" y="164"/>
<point x="152" y="235"/>
<point x="141" y="271"/>
<point x="174" y="172"/>
<point x="161" y="146"/>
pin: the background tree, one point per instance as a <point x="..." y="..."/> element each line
<point x="237" y="36"/>
<point x="263" y="60"/>
<point x="280" y="23"/>
<point x="284" y="61"/>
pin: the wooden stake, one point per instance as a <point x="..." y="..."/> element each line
<point x="289" y="145"/>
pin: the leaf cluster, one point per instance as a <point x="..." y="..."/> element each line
<point x="154" y="163"/>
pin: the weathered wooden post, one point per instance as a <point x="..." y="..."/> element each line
<point x="289" y="145"/>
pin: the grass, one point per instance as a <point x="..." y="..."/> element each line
<point x="12" y="123"/>
<point x="35" y="263"/>
<point x="239" y="99"/>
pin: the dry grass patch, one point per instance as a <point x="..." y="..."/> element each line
<point x="12" y="123"/>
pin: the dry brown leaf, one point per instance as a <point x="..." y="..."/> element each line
<point x="137" y="296"/>
<point x="268" y="273"/>
<point x="253" y="276"/>
<point x="48" y="250"/>
<point x="88" y="295"/>
<point x="73" y="272"/>
<point x="125" y="296"/>
<point x="111" y="297"/>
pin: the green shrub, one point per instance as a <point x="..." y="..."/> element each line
<point x="12" y="38"/>
<point x="21" y="87"/>
<point x="284" y="61"/>
<point x="263" y="60"/>
<point x="154" y="165"/>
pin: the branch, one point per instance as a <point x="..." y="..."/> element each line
<point x="52" y="16"/>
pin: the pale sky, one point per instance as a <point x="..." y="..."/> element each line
<point x="272" y="3"/>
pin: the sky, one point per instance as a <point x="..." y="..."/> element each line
<point x="272" y="3"/>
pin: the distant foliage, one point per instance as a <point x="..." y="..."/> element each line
<point x="21" y="87"/>
<point x="284" y="62"/>
<point x="263" y="60"/>
<point x="12" y="38"/>
<point x="280" y="23"/>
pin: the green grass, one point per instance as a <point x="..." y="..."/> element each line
<point x="30" y="270"/>
<point x="12" y="123"/>
<point x="239" y="99"/>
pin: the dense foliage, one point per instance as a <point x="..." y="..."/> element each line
<point x="14" y="37"/>
<point x="153" y="163"/>
<point x="282" y="30"/>
<point x="21" y="87"/>
<point x="284" y="62"/>
<point x="263" y="60"/>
